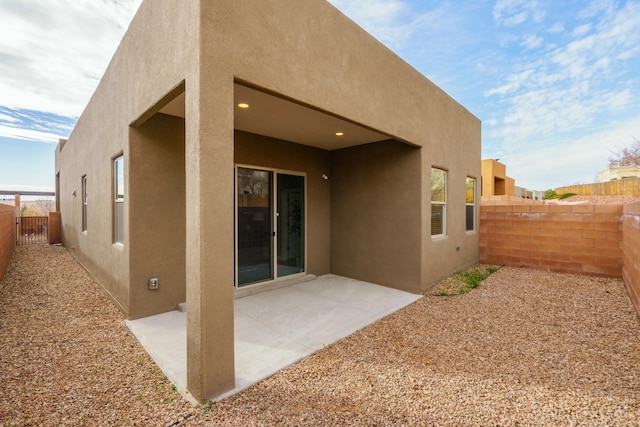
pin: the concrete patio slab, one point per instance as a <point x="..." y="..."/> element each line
<point x="275" y="329"/>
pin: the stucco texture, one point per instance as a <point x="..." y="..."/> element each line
<point x="369" y="220"/>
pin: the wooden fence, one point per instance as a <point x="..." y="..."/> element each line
<point x="7" y="235"/>
<point x="621" y="187"/>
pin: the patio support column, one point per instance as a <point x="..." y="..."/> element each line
<point x="210" y="237"/>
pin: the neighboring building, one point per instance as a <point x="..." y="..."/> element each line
<point x="495" y="181"/>
<point x="619" y="172"/>
<point x="232" y="145"/>
<point x="529" y="194"/>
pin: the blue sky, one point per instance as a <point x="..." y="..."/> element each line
<point x="556" y="84"/>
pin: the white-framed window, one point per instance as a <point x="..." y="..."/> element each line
<point x="438" y="202"/>
<point x="84" y="203"/>
<point x="118" y="208"/>
<point x="471" y="204"/>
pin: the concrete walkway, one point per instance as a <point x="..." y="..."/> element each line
<point x="277" y="328"/>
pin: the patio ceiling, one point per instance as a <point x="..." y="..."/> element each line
<point x="277" y="117"/>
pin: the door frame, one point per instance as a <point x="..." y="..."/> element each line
<point x="274" y="240"/>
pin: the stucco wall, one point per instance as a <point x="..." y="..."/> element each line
<point x="8" y="216"/>
<point x="631" y="253"/>
<point x="157" y="211"/>
<point x="261" y="151"/>
<point x="456" y="149"/>
<point x="376" y="219"/>
<point x="156" y="54"/>
<point x="307" y="52"/>
<point x="584" y="239"/>
<point x="390" y="97"/>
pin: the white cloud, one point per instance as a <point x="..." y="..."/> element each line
<point x="581" y="30"/>
<point x="532" y="41"/>
<point x="571" y="161"/>
<point x="511" y="13"/>
<point x="52" y="61"/>
<point x="597" y="7"/>
<point x="396" y="23"/>
<point x="514" y="83"/>
<point x="8" y="118"/>
<point x="29" y="134"/>
<point x="383" y="19"/>
<point x="558" y="27"/>
<point x="507" y="39"/>
<point x="516" y="19"/>
<point x="34" y="126"/>
<point x="573" y="86"/>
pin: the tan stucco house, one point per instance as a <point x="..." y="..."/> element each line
<point x="236" y="145"/>
<point x="495" y="181"/>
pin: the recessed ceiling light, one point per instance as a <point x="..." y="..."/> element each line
<point x="339" y="133"/>
<point x="243" y="105"/>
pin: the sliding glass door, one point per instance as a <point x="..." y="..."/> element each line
<point x="290" y="224"/>
<point x="270" y="225"/>
<point x="254" y="226"/>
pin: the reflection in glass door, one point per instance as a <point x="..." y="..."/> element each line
<point x="255" y="226"/>
<point x="290" y="224"/>
<point x="270" y="223"/>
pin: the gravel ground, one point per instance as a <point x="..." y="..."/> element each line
<point x="525" y="348"/>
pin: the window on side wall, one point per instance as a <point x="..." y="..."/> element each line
<point x="84" y="203"/>
<point x="471" y="204"/>
<point x="438" y="202"/>
<point x="118" y="185"/>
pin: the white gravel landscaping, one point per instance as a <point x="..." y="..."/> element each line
<point x="525" y="348"/>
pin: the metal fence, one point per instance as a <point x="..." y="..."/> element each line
<point x="32" y="230"/>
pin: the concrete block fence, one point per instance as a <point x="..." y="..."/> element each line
<point x="582" y="239"/>
<point x="598" y="240"/>
<point x="631" y="252"/>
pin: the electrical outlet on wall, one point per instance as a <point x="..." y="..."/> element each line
<point x="153" y="283"/>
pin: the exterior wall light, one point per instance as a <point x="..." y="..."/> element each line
<point x="339" y="133"/>
<point x="243" y="105"/>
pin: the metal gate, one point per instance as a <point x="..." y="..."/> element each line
<point x="32" y="230"/>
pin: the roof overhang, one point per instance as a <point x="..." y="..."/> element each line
<point x="278" y="117"/>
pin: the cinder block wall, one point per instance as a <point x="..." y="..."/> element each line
<point x="582" y="239"/>
<point x="507" y="200"/>
<point x="631" y="253"/>
<point x="7" y="236"/>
